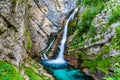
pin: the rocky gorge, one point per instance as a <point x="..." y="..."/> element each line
<point x="28" y="26"/>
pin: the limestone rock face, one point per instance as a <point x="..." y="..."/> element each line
<point x="26" y="25"/>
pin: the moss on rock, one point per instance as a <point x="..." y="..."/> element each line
<point x="96" y="39"/>
<point x="9" y="72"/>
<point x="34" y="71"/>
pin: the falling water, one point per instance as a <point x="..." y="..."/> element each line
<point x="59" y="60"/>
<point x="44" y="54"/>
<point x="64" y="37"/>
<point x="58" y="67"/>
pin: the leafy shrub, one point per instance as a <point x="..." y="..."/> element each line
<point x="87" y="17"/>
<point x="9" y="72"/>
<point x="115" y="43"/>
<point x="101" y="64"/>
<point x="115" y="15"/>
<point x="34" y="76"/>
<point x="115" y="76"/>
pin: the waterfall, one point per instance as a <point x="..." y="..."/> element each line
<point x="64" y="37"/>
<point x="59" y="60"/>
<point x="44" y="54"/>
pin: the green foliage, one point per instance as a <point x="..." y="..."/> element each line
<point x="34" y="76"/>
<point x="117" y="73"/>
<point x="85" y="23"/>
<point x="115" y="43"/>
<point x="90" y="64"/>
<point x="115" y="60"/>
<point x="35" y="65"/>
<point x="93" y="2"/>
<point x="94" y="40"/>
<point x="106" y="49"/>
<point x="85" y="31"/>
<point x="84" y="28"/>
<point x="101" y="64"/>
<point x="92" y="31"/>
<point x="14" y="1"/>
<point x="115" y="15"/>
<point x="115" y="76"/>
<point x="104" y="64"/>
<point x="78" y="2"/>
<point x="111" y="78"/>
<point x="9" y="72"/>
<point x="71" y="27"/>
<point x="87" y="17"/>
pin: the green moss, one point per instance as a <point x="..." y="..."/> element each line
<point x="34" y="76"/>
<point x="90" y="64"/>
<point x="115" y="75"/>
<point x="105" y="49"/>
<point x="93" y="2"/>
<point x="101" y="64"/>
<point x="115" y="15"/>
<point x="29" y="40"/>
<point x="24" y="1"/>
<point x="110" y="78"/>
<point x="71" y="27"/>
<point x="92" y="31"/>
<point x="115" y="43"/>
<point x="14" y="1"/>
<point x="87" y="17"/>
<point x="84" y="25"/>
<point x="101" y="37"/>
<point x="97" y="61"/>
<point x="35" y="65"/>
<point x="85" y="31"/>
<point x="104" y="64"/>
<point x="9" y="72"/>
<point x="78" y="2"/>
<point x="94" y="40"/>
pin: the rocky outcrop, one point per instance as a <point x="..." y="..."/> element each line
<point x="26" y="26"/>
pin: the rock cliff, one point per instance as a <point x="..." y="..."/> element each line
<point x="27" y="25"/>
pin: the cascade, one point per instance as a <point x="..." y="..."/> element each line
<point x="59" y="60"/>
<point x="58" y="66"/>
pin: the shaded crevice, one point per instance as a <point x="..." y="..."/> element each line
<point x="2" y="32"/>
<point x="40" y="28"/>
<point x="9" y="25"/>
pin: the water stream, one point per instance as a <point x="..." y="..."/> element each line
<point x="58" y="66"/>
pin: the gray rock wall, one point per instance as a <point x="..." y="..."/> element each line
<point x="26" y="25"/>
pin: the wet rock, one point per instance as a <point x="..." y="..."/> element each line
<point x="73" y="60"/>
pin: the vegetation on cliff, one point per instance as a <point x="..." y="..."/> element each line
<point x="29" y="70"/>
<point x="96" y="39"/>
<point x="26" y="25"/>
<point x="9" y="72"/>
